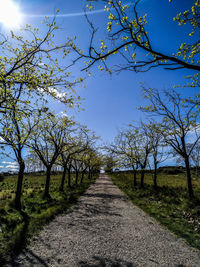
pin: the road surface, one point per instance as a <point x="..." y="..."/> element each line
<point x="105" y="229"/>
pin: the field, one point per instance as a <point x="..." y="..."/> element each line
<point x="16" y="228"/>
<point x="169" y="204"/>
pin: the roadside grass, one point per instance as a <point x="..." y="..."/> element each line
<point x="169" y="204"/>
<point x="16" y="228"/>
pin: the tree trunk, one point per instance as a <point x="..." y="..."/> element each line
<point x="142" y="179"/>
<point x="197" y="167"/>
<point x="76" y="179"/>
<point x="143" y="166"/>
<point x="135" y="177"/>
<point x="18" y="205"/>
<point x="69" y="177"/>
<point x="61" y="189"/>
<point x="89" y="173"/>
<point x="82" y="177"/>
<point x="48" y="176"/>
<point x="189" y="178"/>
<point x="155" y="175"/>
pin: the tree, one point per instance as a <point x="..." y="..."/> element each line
<point x="178" y="120"/>
<point x="125" y="149"/>
<point x="33" y="63"/>
<point x="74" y="145"/>
<point x="77" y="165"/>
<point x="94" y="162"/>
<point x="64" y="158"/>
<point x="47" y="142"/>
<point x="16" y="127"/>
<point x="33" y="163"/>
<point x="85" y="160"/>
<point x="152" y="130"/>
<point x="127" y="35"/>
<point x="195" y="155"/>
<point x="109" y="163"/>
<point x="143" y="149"/>
<point x="29" y="68"/>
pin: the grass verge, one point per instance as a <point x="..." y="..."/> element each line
<point x="16" y="228"/>
<point x="169" y="204"/>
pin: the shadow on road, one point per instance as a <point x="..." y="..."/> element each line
<point x="104" y="196"/>
<point x="105" y="262"/>
<point x="33" y="260"/>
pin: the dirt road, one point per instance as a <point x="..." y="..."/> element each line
<point x="105" y="229"/>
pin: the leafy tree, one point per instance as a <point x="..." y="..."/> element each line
<point x="77" y="164"/>
<point x="125" y="149"/>
<point x="143" y="150"/>
<point x="68" y="160"/>
<point x="195" y="155"/>
<point x="109" y="163"/>
<point x="94" y="161"/>
<point x="178" y="120"/>
<point x="152" y="130"/>
<point x="132" y="148"/>
<point x="47" y="142"/>
<point x="85" y="161"/>
<point x="127" y="35"/>
<point x="30" y="69"/>
<point x="31" y="62"/>
<point x="64" y="160"/>
<point x="33" y="164"/>
<point x="74" y="145"/>
<point x="16" y="127"/>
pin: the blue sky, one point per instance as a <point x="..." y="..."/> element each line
<point x="111" y="101"/>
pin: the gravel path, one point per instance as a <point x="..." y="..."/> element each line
<point x="105" y="229"/>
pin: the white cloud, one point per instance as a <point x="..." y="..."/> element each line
<point x="57" y="94"/>
<point x="63" y="114"/>
<point x="11" y="167"/>
<point x="53" y="91"/>
<point x="10" y="163"/>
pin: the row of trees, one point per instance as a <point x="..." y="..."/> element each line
<point x="33" y="70"/>
<point x="33" y="77"/>
<point x="176" y="131"/>
<point x="129" y="41"/>
<point x="51" y="139"/>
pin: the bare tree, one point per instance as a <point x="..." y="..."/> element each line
<point x="178" y="120"/>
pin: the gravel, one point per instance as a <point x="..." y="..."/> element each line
<point x="105" y="229"/>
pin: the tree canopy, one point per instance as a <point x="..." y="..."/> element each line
<point x="127" y="35"/>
